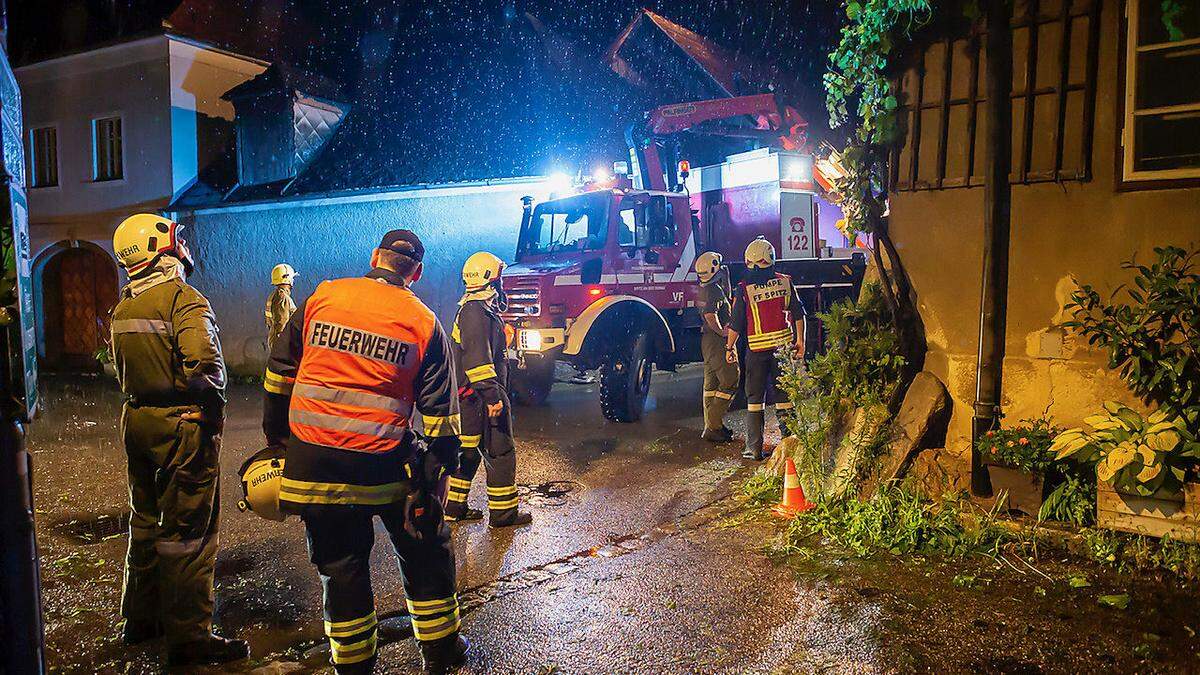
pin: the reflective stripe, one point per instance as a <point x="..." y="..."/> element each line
<point x="449" y="425"/>
<point x="754" y="407"/>
<point x="709" y="394"/>
<point x="354" y="652"/>
<point x="779" y="338"/>
<point x="155" y="326"/>
<point x="359" y="398"/>
<point x="181" y="547"/>
<point x="502" y="505"/>
<point x="305" y="492"/>
<point x="341" y="629"/>
<point x="784" y="406"/>
<point x="433" y="629"/>
<point x="278" y="384"/>
<point x="338" y="423"/>
<point x="480" y="373"/>
<point x="502" y="491"/>
<point x="471" y="441"/>
<point x="456" y="497"/>
<point x="431" y="607"/>
<point x="460" y="483"/>
<point x="721" y="394"/>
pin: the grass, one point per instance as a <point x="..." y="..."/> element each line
<point x="762" y="489"/>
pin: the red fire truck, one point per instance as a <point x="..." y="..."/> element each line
<point x="603" y="277"/>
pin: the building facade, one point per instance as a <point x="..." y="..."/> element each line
<point x="1106" y="167"/>
<point x="109" y="132"/>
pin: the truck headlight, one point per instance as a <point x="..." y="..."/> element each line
<point x="529" y="340"/>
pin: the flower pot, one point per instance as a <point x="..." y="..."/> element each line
<point x="1165" y="513"/>
<point x="1024" y="489"/>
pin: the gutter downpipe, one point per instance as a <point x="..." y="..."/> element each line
<point x="997" y="214"/>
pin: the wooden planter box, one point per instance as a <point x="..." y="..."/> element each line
<point x="1024" y="489"/>
<point x="1177" y="515"/>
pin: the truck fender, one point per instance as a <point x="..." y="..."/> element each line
<point x="579" y="330"/>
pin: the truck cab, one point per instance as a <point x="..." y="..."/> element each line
<point x="603" y="278"/>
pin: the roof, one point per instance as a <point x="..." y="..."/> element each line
<point x="283" y="77"/>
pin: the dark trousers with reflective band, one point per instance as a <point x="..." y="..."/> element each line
<point x="173" y="480"/>
<point x="491" y="441"/>
<point x="762" y="389"/>
<point x="720" y="380"/>
<point x="340" y="538"/>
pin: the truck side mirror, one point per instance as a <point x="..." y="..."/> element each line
<point x="590" y="273"/>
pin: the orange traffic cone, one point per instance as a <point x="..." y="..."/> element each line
<point x="793" y="495"/>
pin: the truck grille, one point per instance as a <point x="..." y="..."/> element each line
<point x="523" y="299"/>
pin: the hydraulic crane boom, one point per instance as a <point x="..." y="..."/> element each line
<point x="763" y="117"/>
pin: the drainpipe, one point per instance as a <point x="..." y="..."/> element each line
<point x="997" y="197"/>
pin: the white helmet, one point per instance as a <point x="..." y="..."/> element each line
<point x="261" y="476"/>
<point x="140" y="240"/>
<point x="760" y="254"/>
<point x="282" y="273"/>
<point x="707" y="266"/>
<point x="481" y="269"/>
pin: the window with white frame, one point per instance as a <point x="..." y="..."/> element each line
<point x="1161" y="136"/>
<point x="107" y="159"/>
<point x="43" y="157"/>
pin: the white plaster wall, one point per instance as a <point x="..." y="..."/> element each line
<point x="236" y="249"/>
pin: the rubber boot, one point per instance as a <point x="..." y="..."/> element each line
<point x="444" y="654"/>
<point x="469" y="514"/>
<point x="521" y="518"/>
<point x="210" y="650"/>
<point x="137" y="632"/>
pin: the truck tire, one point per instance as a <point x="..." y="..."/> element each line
<point x="531" y="386"/>
<point x="625" y="381"/>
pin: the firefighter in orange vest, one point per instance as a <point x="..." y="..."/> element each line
<point x="768" y="312"/>
<point x="354" y="362"/>
<point x="480" y="347"/>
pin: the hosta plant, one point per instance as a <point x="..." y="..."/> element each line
<point x="1134" y="454"/>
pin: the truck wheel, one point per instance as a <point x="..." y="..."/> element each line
<point x="531" y="387"/>
<point x="625" y="382"/>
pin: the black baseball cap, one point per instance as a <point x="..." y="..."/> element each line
<point x="404" y="242"/>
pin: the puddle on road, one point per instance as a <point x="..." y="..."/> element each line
<point x="551" y="493"/>
<point x="93" y="529"/>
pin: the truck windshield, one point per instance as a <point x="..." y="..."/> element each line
<point x="574" y="224"/>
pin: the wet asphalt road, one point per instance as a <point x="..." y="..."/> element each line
<point x="638" y="560"/>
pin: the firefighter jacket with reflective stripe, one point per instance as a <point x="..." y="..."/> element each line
<point x="165" y="347"/>
<point x="357" y="359"/>
<point x="480" y="349"/>
<point x="765" y="313"/>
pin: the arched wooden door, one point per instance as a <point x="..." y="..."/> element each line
<point x="79" y="288"/>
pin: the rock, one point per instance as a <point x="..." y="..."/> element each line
<point x="921" y="423"/>
<point x="866" y="424"/>
<point x="788" y="447"/>
<point x="935" y="472"/>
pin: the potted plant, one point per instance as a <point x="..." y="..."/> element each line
<point x="105" y="359"/>
<point x="1142" y="468"/>
<point x="1017" y="459"/>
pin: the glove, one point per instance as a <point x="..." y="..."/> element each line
<point x="433" y="470"/>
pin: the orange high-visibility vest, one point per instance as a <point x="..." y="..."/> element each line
<point x="767" y="324"/>
<point x="363" y="345"/>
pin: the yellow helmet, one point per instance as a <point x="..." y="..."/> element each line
<point x="282" y="273"/>
<point x="760" y="254"/>
<point x="481" y="269"/>
<point x="707" y="266"/>
<point x="261" y="476"/>
<point x="141" y="239"/>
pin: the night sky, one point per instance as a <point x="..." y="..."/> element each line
<point x="454" y="90"/>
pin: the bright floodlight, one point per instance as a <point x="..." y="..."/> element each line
<point x="600" y="175"/>
<point x="559" y="181"/>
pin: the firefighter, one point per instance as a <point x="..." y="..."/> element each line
<point x="169" y="365"/>
<point x="280" y="305"/>
<point x="479" y="346"/>
<point x="342" y="383"/>
<point x="720" y="375"/>
<point x="767" y="310"/>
